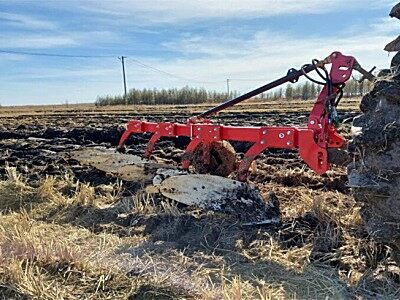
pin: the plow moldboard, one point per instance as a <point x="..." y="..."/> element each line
<point x="205" y="191"/>
<point x="216" y="193"/>
<point x="201" y="190"/>
<point x="124" y="166"/>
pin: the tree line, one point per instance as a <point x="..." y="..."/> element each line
<point x="310" y="90"/>
<point x="190" y="95"/>
<point x="185" y="95"/>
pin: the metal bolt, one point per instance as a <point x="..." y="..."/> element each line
<point x="197" y="136"/>
<point x="312" y="122"/>
<point x="264" y="131"/>
<point x="157" y="126"/>
<point x="215" y="137"/>
<point x="198" y="128"/>
<point x="281" y="135"/>
<point x="288" y="143"/>
<point x="210" y="131"/>
<point x="288" y="132"/>
<point x="216" y="129"/>
<point x="262" y="142"/>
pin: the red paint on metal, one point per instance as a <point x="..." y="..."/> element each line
<point x="311" y="141"/>
<point x="342" y="67"/>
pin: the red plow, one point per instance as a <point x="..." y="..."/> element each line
<point x="313" y="141"/>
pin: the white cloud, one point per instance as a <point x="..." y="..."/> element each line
<point x="174" y="11"/>
<point x="25" y="21"/>
<point x="264" y="55"/>
<point x="386" y="25"/>
<point x="35" y="41"/>
<point x="73" y="73"/>
<point x="54" y="40"/>
<point x="7" y="57"/>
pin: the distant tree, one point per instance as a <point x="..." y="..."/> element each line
<point x="289" y="92"/>
<point x="305" y="91"/>
<point x="187" y="95"/>
<point x="184" y="95"/>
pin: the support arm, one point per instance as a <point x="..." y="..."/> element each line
<point x="292" y="76"/>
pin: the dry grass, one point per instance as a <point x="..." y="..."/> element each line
<point x="49" y="249"/>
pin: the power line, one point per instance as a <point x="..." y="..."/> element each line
<point x="133" y="60"/>
<point x="170" y="74"/>
<point x="53" y="54"/>
<point x="155" y="69"/>
<point x="136" y="61"/>
<point x="247" y="79"/>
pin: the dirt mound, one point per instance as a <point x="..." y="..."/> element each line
<point x="222" y="159"/>
<point x="374" y="174"/>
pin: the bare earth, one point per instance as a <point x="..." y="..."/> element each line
<point x="73" y="232"/>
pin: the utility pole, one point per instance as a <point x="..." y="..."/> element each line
<point x="122" y="58"/>
<point x="227" y="87"/>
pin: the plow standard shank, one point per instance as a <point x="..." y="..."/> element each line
<point x="263" y="137"/>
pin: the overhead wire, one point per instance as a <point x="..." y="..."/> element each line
<point x="129" y="59"/>
<point x="137" y="62"/>
<point x="52" y="54"/>
<point x="133" y="60"/>
<point x="246" y="79"/>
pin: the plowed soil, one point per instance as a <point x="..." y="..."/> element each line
<point x="321" y="230"/>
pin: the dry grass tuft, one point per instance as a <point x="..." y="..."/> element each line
<point x="14" y="193"/>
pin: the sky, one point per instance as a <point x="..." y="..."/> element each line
<point x="177" y="43"/>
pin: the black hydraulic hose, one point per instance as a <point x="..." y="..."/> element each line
<point x="292" y="76"/>
<point x="315" y="62"/>
<point x="310" y="78"/>
<point x="340" y="87"/>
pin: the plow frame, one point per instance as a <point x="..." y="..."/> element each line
<point x="312" y="141"/>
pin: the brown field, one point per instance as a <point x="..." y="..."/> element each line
<point x="90" y="109"/>
<point x="73" y="232"/>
